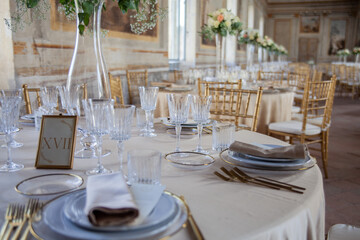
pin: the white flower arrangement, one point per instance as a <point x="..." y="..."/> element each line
<point x="356" y="50"/>
<point x="343" y="52"/>
<point x="223" y="22"/>
<point x="249" y="36"/>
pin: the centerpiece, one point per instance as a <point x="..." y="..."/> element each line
<point x="343" y="53"/>
<point x="356" y="52"/>
<point x="220" y="24"/>
<point x="281" y="52"/>
<point x="249" y="37"/>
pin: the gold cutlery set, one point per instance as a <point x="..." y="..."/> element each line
<point x="17" y="218"/>
<point x="237" y="175"/>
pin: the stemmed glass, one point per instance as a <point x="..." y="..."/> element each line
<point x="179" y="112"/>
<point x="49" y="97"/>
<point x="12" y="93"/>
<point x="9" y="116"/>
<point x="200" y="108"/>
<point x="122" y="117"/>
<point x="98" y="121"/>
<point x="148" y="97"/>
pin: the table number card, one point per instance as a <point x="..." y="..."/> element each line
<point x="56" y="142"/>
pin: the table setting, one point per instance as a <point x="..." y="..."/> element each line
<point x="241" y="175"/>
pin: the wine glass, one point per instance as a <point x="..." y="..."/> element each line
<point x="148" y="97"/>
<point x="179" y="112"/>
<point x="200" y="109"/>
<point x="13" y="93"/>
<point x="9" y="116"/>
<point x="98" y="121"/>
<point x="49" y="97"/>
<point x="122" y="117"/>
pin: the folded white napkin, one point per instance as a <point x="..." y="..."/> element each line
<point x="146" y="197"/>
<point x="109" y="201"/>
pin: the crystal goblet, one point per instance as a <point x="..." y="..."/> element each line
<point x="148" y="97"/>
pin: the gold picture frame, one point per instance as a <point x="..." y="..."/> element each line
<point x="56" y="142"/>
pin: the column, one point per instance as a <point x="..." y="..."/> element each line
<point x="190" y="34"/>
<point x="7" y="68"/>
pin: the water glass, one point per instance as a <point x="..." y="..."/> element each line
<point x="70" y="99"/>
<point x="222" y="135"/>
<point x="144" y="166"/>
<point x="141" y="120"/>
<point x="38" y="113"/>
<point x="122" y="117"/>
<point x="148" y="98"/>
<point x="200" y="108"/>
<point x="179" y="112"/>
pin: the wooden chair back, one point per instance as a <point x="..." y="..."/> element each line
<point x="203" y="85"/>
<point x="239" y="106"/>
<point x="26" y="92"/>
<point x="135" y="80"/>
<point x="274" y="78"/>
<point x="116" y="89"/>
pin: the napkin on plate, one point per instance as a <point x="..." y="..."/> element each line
<point x="297" y="151"/>
<point x="109" y="201"/>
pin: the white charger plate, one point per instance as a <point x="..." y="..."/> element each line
<point x="60" y="228"/>
<point x="164" y="211"/>
<point x="224" y="155"/>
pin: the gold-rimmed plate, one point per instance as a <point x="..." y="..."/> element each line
<point x="49" y="184"/>
<point x="65" y="229"/>
<point x="190" y="160"/>
<point x="224" y="156"/>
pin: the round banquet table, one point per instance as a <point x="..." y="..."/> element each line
<point x="275" y="106"/>
<point x="223" y="210"/>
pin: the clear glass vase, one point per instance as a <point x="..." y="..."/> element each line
<point x="357" y="58"/>
<point x="220" y="52"/>
<point x="345" y="58"/>
<point x="272" y="56"/>
<point x="260" y="54"/>
<point x="87" y="63"/>
<point x="265" y="54"/>
<point x="250" y="49"/>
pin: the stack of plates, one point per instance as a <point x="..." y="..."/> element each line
<point x="188" y="124"/>
<point x="64" y="218"/>
<point x="263" y="163"/>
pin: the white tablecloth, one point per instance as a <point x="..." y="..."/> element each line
<point x="223" y="210"/>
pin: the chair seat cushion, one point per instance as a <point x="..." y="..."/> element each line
<point x="294" y="127"/>
<point x="299" y="117"/>
<point x="343" y="232"/>
<point x="298" y="96"/>
<point x="353" y="83"/>
<point x="295" y="109"/>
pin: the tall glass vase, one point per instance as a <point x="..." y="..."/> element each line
<point x="220" y="52"/>
<point x="265" y="54"/>
<point x="260" y="54"/>
<point x="94" y="71"/>
<point x="272" y="56"/>
<point x="357" y="58"/>
<point x="345" y="58"/>
<point x="250" y="49"/>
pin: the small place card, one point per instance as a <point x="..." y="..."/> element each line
<point x="56" y="142"/>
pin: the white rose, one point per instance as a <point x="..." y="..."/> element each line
<point x="228" y="24"/>
<point x="216" y="24"/>
<point x="210" y="21"/>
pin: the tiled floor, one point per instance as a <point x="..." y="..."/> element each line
<point x="342" y="188"/>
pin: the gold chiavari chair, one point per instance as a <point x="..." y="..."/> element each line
<point x="203" y="85"/>
<point x="351" y="82"/>
<point x="116" y="89"/>
<point x="297" y="81"/>
<point x="178" y="75"/>
<point x="135" y="80"/>
<point x="314" y="125"/>
<point x="239" y="106"/>
<point x="317" y="75"/>
<point x="26" y="92"/>
<point x="273" y="78"/>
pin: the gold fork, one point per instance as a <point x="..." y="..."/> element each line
<point x="8" y="217"/>
<point x="36" y="216"/>
<point x="30" y="208"/>
<point x="16" y="220"/>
